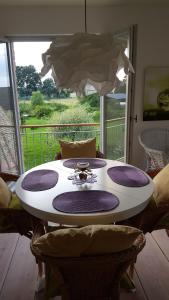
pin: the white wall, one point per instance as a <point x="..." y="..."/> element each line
<point x="152" y="42"/>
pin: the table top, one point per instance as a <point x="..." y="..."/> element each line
<point x="132" y="200"/>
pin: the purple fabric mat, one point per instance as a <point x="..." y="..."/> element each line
<point x="128" y="176"/>
<point x="85" y="202"/>
<point x="94" y="163"/>
<point x="40" y="180"/>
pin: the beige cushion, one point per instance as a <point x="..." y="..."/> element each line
<point x="92" y="239"/>
<point x="15" y="202"/>
<point x="5" y="194"/>
<point x="85" y="148"/>
<point x="161" y="193"/>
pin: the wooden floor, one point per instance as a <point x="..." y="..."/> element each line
<point x="18" y="271"/>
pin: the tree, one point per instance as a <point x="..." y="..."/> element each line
<point x="28" y="80"/>
<point x="48" y="88"/>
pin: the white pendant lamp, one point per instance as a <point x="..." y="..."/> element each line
<point x="84" y="58"/>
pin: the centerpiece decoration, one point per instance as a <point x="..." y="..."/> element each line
<point x="82" y="174"/>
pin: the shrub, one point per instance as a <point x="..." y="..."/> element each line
<point x="92" y="100"/>
<point x="25" y="110"/>
<point x="70" y="116"/>
<point x="58" y="107"/>
<point x="96" y="116"/>
<point x="37" y="99"/>
<point x="42" y="111"/>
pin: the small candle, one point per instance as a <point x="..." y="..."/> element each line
<point x="82" y="165"/>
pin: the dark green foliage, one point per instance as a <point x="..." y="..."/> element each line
<point x="28" y="81"/>
<point x="92" y="100"/>
<point x="96" y="116"/>
<point x="48" y="88"/>
<point x="42" y="111"/>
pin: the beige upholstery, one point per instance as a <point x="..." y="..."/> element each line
<point x="86" y="148"/>
<point x="161" y="193"/>
<point x="5" y="194"/>
<point x="13" y="218"/>
<point x="156" y="214"/>
<point x="92" y="239"/>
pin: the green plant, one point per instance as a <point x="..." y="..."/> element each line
<point x="73" y="116"/>
<point x="92" y="100"/>
<point x="25" y="110"/>
<point x="25" y="107"/>
<point x="58" y="107"/>
<point x="42" y="111"/>
<point x="37" y="99"/>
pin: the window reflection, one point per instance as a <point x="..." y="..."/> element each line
<point x="4" y="77"/>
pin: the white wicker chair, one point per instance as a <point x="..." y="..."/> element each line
<point x="156" y="145"/>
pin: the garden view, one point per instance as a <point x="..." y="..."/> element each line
<point x="43" y="106"/>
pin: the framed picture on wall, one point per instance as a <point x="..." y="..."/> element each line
<point x="156" y="94"/>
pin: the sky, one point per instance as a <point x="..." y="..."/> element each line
<point x="26" y="53"/>
<point x="30" y="53"/>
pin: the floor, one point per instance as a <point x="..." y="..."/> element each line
<point x="18" y="271"/>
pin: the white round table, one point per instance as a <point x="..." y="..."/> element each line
<point x="132" y="200"/>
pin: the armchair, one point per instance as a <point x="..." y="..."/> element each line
<point x="156" y="215"/>
<point x="85" y="276"/>
<point x="13" y="218"/>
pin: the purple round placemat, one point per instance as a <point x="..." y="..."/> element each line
<point x="85" y="202"/>
<point x="40" y="180"/>
<point x="93" y="162"/>
<point x="128" y="176"/>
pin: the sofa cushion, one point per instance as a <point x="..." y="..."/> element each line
<point x="5" y="194"/>
<point x="86" y="148"/>
<point x="92" y="239"/>
<point x="15" y="202"/>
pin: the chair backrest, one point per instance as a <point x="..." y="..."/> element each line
<point x="155" y="142"/>
<point x="155" y="138"/>
<point x="91" y="277"/>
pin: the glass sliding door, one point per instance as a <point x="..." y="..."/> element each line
<point x="116" y="111"/>
<point x="10" y="153"/>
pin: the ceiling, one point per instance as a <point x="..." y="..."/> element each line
<point x="77" y="2"/>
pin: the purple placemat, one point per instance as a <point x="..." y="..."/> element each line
<point x="40" y="180"/>
<point x="94" y="163"/>
<point x="128" y="176"/>
<point x="85" y="202"/>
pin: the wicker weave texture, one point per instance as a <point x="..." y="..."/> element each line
<point x="88" y="277"/>
<point x="156" y="145"/>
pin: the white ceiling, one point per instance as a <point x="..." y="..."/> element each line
<point x="78" y="2"/>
